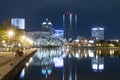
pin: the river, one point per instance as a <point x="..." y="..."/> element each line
<point x="73" y="64"/>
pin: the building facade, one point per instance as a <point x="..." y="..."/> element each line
<point x="70" y="25"/>
<point x="59" y="33"/>
<point x="97" y="33"/>
<point x="18" y="22"/>
<point x="47" y="26"/>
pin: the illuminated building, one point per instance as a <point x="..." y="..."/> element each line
<point x="70" y="25"/>
<point x="38" y="36"/>
<point x="59" y="33"/>
<point x="18" y="22"/>
<point x="97" y="33"/>
<point x="47" y="26"/>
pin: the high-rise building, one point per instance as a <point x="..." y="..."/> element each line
<point x="70" y="25"/>
<point x="18" y="22"/>
<point x="97" y="33"/>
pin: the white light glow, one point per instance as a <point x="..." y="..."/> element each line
<point x="101" y="28"/>
<point x="27" y="64"/>
<point x="19" y="44"/>
<point x="85" y="55"/>
<point x="10" y="33"/>
<point x="44" y="23"/>
<point x="91" y="53"/>
<point x="3" y="41"/>
<point x="77" y="55"/>
<point x="30" y="59"/>
<point x="22" y="73"/>
<point x="98" y="28"/>
<point x="23" y="37"/>
<point x="64" y="55"/>
<point x="111" y="51"/>
<point x="85" y="41"/>
<point x="91" y="41"/>
<point x="94" y="28"/>
<point x="95" y="66"/>
<point x="58" y="62"/>
<point x="89" y="45"/>
<point x="76" y="40"/>
<point x="49" y="23"/>
<point x="101" y="66"/>
<point x="117" y="40"/>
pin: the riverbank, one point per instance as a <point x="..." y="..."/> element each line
<point x="8" y="60"/>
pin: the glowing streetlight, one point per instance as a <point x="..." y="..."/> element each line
<point x="23" y="37"/>
<point x="29" y="40"/>
<point x="3" y="41"/>
<point x="9" y="43"/>
<point x="10" y="33"/>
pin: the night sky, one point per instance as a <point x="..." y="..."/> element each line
<point x="90" y="13"/>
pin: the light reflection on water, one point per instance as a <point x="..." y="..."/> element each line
<point x="71" y="64"/>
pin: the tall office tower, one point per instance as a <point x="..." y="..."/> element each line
<point x="70" y="25"/>
<point x="97" y="33"/>
<point x="47" y="26"/>
<point x="18" y="22"/>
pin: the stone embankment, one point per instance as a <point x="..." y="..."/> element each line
<point x="11" y="65"/>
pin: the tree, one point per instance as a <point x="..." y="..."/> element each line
<point x="4" y="30"/>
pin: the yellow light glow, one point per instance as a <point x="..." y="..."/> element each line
<point x="10" y="33"/>
<point x="23" y="37"/>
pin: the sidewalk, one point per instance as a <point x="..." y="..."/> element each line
<point x="8" y="60"/>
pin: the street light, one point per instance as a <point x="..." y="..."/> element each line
<point x="23" y="37"/>
<point x="10" y="33"/>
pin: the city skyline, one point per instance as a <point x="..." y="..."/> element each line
<point x="90" y="13"/>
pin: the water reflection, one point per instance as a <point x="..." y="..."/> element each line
<point x="97" y="63"/>
<point x="67" y="64"/>
<point x="22" y="74"/>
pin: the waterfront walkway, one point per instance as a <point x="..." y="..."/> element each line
<point x="8" y="60"/>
